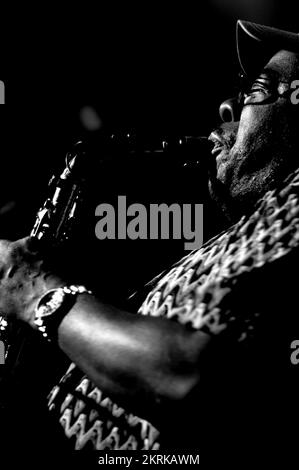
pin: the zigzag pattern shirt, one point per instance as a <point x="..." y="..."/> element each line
<point x="199" y="292"/>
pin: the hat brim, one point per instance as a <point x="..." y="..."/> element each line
<point x="257" y="43"/>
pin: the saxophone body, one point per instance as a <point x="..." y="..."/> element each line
<point x="56" y="217"/>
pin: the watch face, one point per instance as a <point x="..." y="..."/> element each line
<point x="50" y="303"/>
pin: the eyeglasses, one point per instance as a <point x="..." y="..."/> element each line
<point x="264" y="89"/>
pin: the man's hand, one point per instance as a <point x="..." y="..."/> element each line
<point x="137" y="360"/>
<point x="23" y="278"/>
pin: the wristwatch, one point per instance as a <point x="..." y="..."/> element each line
<point x="52" y="308"/>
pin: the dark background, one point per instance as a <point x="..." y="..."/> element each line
<point x="159" y="71"/>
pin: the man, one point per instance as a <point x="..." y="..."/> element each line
<point x="192" y="369"/>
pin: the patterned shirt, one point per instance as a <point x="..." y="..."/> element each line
<point x="200" y="293"/>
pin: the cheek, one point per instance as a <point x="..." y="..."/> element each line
<point x="255" y="127"/>
<point x="264" y="125"/>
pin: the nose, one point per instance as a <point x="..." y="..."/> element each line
<point x="230" y="110"/>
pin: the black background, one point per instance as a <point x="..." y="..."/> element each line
<point x="155" y="70"/>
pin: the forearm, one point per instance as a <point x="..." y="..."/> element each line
<point x="129" y="356"/>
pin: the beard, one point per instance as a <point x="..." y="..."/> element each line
<point x="245" y="176"/>
<point x="259" y="153"/>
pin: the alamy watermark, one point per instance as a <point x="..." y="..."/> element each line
<point x="2" y="353"/>
<point x="2" y="92"/>
<point x="295" y="93"/>
<point x="155" y="222"/>
<point x="294" y="357"/>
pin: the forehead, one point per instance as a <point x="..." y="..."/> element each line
<point x="285" y="64"/>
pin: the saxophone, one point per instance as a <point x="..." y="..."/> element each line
<point x="56" y="217"/>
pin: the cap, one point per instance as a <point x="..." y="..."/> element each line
<point x="257" y="43"/>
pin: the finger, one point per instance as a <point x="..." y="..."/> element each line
<point x="27" y="245"/>
<point x="4" y="244"/>
<point x="5" y="251"/>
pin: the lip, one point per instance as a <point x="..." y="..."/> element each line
<point x="221" y="158"/>
<point x="217" y="149"/>
<point x="218" y="143"/>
